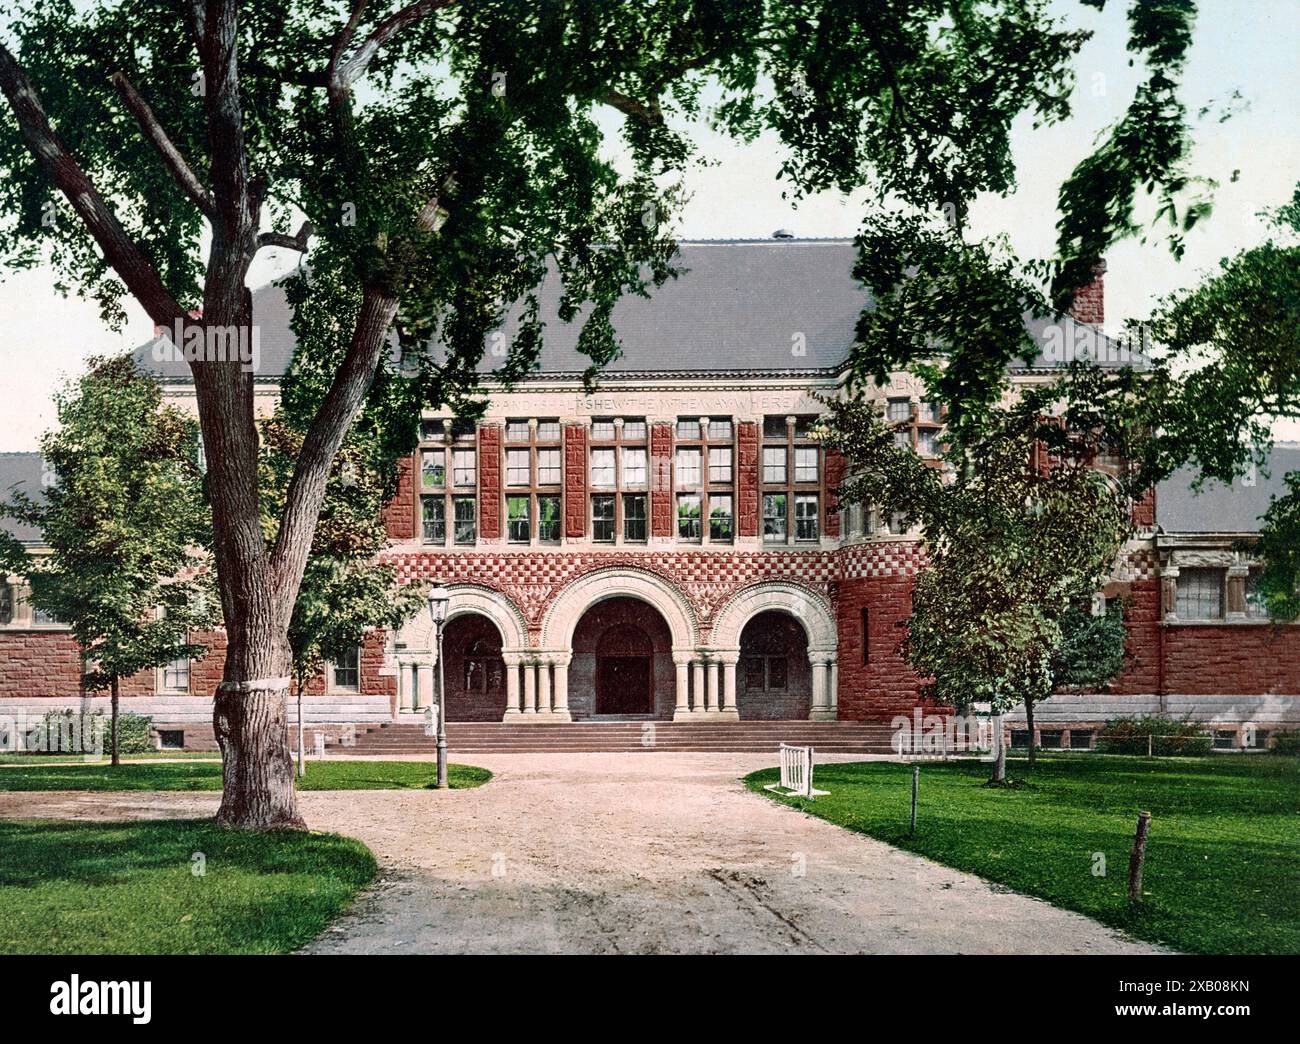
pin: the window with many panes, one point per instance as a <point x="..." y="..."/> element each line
<point x="448" y="473"/>
<point x="805" y="516"/>
<point x="635" y="522"/>
<point x="345" y="672"/>
<point x="766" y="673"/>
<point x="619" y="477"/>
<point x="176" y="676"/>
<point x="689" y="506"/>
<point x="518" y="467"/>
<point x="1199" y="593"/>
<point x="602" y="517"/>
<point x="534" y="472"/>
<point x="464" y="466"/>
<point x="519" y="528"/>
<point x="919" y="428"/>
<point x="464" y="519"/>
<point x="704" y="475"/>
<point x="792" y="492"/>
<point x="433" y="519"/>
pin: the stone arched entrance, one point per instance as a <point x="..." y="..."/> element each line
<point x="622" y="662"/>
<point x="475" y="672"/>
<point x="774" y="677"/>
<point x="792" y="606"/>
<point x="474" y="613"/>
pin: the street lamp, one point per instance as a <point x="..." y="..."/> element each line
<point x="438" y="599"/>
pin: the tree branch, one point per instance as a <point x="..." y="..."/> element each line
<point x="306" y="492"/>
<point x="119" y="249"/>
<point x="296" y="242"/>
<point x="650" y="114"/>
<point x="153" y="130"/>
<point x="230" y="189"/>
<point x="344" y="73"/>
<point x="433" y="215"/>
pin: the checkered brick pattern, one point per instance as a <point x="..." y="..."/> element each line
<point x="1137" y="565"/>
<point x="533" y="579"/>
<point x="889" y="558"/>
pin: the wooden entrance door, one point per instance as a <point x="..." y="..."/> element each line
<point x="623" y="685"/>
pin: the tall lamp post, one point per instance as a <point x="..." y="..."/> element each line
<point x="438" y="599"/>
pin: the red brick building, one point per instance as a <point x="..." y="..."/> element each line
<point x="671" y="546"/>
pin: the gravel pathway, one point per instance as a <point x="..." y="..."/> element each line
<point x="634" y="853"/>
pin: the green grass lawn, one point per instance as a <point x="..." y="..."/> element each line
<point x="1223" y="858"/>
<point x="87" y="888"/>
<point x="321" y="775"/>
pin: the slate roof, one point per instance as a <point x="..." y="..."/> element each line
<point x="20" y="472"/>
<point x="1220" y="508"/>
<point x="736" y="308"/>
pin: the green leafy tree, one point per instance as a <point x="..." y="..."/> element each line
<point x="1279" y="547"/>
<point x="1091" y="652"/>
<point x="123" y="523"/>
<point x="440" y="157"/>
<point x="1230" y="370"/>
<point x="1016" y="533"/>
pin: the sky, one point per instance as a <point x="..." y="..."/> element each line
<point x="1245" y="46"/>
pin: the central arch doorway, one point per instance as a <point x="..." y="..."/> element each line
<point x="622" y="662"/>
<point x="624" y="671"/>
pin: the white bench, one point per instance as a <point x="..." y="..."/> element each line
<point x="796" y="773"/>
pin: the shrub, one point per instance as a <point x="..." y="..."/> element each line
<point x="1170" y="736"/>
<point x="1286" y="743"/>
<point x="67" y="731"/>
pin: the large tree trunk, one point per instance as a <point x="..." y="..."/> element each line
<point x="251" y="724"/>
<point x="257" y="790"/>
<point x="116" y="760"/>
<point x="1029" y="723"/>
<point x="258" y="584"/>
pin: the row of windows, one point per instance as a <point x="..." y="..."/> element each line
<point x="625" y="465"/>
<point x="344" y="674"/>
<point x="919" y="430"/>
<point x="540" y="515"/>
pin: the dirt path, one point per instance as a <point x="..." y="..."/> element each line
<point x="639" y="853"/>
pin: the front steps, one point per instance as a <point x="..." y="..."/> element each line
<point x="630" y="737"/>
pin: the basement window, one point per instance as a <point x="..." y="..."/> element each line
<point x="171" y="739"/>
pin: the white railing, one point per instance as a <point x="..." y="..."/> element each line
<point x="796" y="773"/>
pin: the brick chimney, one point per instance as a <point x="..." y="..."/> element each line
<point x="1090" y="300"/>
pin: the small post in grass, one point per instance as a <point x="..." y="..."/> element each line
<point x="1149" y="735"/>
<point x="1136" y="858"/>
<point x="916" y="779"/>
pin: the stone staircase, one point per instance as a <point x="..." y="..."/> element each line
<point x="828" y="737"/>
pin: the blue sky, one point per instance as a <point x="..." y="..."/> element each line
<point x="1248" y="46"/>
